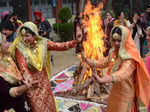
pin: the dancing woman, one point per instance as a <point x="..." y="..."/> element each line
<point x="31" y="53"/>
<point x="131" y="87"/>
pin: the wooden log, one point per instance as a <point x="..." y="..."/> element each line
<point x="82" y="74"/>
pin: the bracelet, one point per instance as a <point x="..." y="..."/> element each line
<point x="70" y="44"/>
<point x="13" y="92"/>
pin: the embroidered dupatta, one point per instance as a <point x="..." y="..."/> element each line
<point x="128" y="50"/>
<point x="35" y="57"/>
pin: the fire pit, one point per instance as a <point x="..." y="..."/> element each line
<point x="84" y="87"/>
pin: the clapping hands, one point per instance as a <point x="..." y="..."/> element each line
<point x="30" y="83"/>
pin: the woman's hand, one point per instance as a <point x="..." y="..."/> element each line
<point x="104" y="79"/>
<point x="98" y="78"/>
<point x="31" y="84"/>
<point x="17" y="91"/>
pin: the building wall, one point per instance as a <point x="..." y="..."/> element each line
<point x="43" y="5"/>
<point x="5" y="5"/>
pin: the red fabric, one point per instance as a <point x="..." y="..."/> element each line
<point x="38" y="13"/>
<point x="40" y="99"/>
<point x="61" y="46"/>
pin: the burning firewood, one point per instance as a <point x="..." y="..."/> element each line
<point x="93" y="47"/>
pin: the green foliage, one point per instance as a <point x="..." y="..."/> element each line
<point x="65" y="30"/>
<point x="64" y="14"/>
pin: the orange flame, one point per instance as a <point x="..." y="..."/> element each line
<point x="94" y="45"/>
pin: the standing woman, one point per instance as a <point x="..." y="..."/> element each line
<point x="31" y="53"/>
<point x="12" y="88"/>
<point x="136" y="29"/>
<point x="131" y="88"/>
<point x="108" y="25"/>
<point x="121" y="20"/>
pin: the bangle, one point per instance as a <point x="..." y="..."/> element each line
<point x="70" y="44"/>
<point x="13" y="92"/>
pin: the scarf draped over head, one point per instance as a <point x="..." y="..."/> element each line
<point x="38" y="57"/>
<point x="128" y="50"/>
<point x="8" y="69"/>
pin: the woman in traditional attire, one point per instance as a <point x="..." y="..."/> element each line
<point x="31" y="53"/>
<point x="121" y="19"/>
<point x="12" y="98"/>
<point x="131" y="88"/>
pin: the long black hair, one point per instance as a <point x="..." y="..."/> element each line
<point x="117" y="30"/>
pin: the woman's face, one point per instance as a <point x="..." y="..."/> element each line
<point x="79" y="33"/>
<point x="108" y="16"/>
<point x="116" y="42"/>
<point x="28" y="38"/>
<point x="121" y="15"/>
<point x="136" y="16"/>
<point x="148" y="32"/>
<point x="5" y="47"/>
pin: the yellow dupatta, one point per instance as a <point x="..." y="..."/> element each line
<point x="118" y="22"/>
<point x="38" y="57"/>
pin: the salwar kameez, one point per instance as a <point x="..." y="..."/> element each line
<point x="122" y="94"/>
<point x="34" y="65"/>
<point x="10" y="78"/>
<point x="131" y="87"/>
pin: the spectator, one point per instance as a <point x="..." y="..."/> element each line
<point x="121" y="19"/>
<point x="145" y="20"/>
<point x="15" y="21"/>
<point x="8" y="30"/>
<point x="136" y="29"/>
<point x="108" y="23"/>
<point x="43" y="25"/>
<point x="77" y="28"/>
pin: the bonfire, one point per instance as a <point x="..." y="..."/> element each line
<point x="84" y="87"/>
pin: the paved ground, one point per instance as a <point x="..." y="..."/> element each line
<point x="63" y="59"/>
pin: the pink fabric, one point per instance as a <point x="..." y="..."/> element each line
<point x="3" y="14"/>
<point x="62" y="76"/>
<point x="149" y="108"/>
<point x="147" y="63"/>
<point x="85" y="106"/>
<point x="67" y="85"/>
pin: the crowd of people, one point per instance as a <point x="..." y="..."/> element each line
<point x="25" y="62"/>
